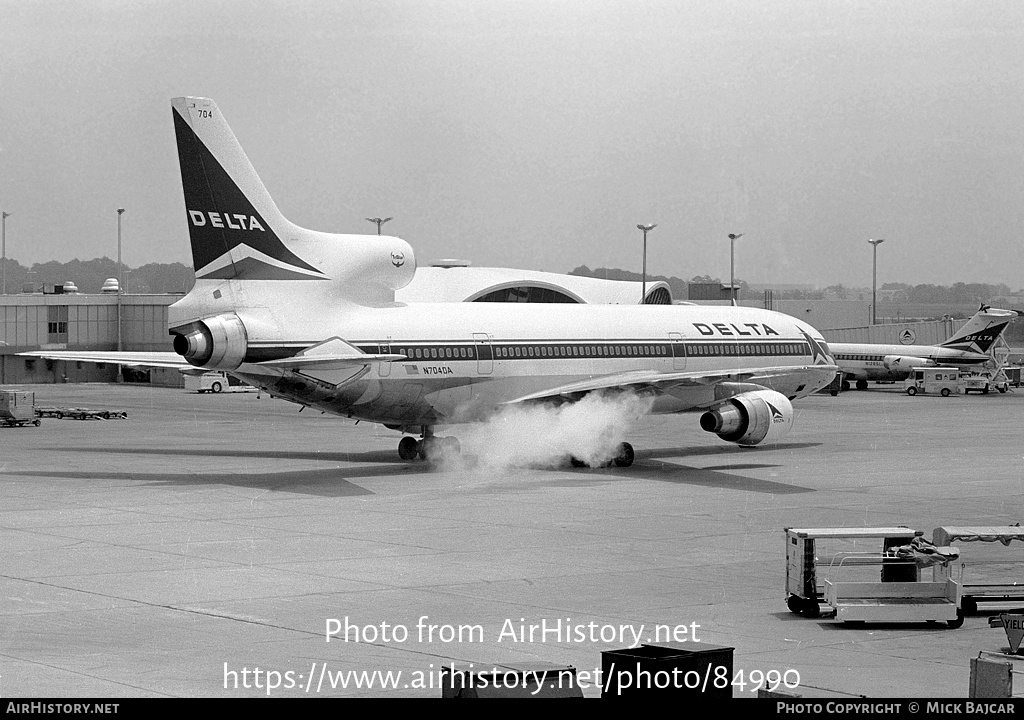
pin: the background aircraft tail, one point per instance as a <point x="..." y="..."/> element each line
<point x="982" y="331"/>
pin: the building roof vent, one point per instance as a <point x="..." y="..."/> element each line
<point x="70" y="288"/>
<point x="110" y="286"/>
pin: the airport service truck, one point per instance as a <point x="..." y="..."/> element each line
<point x="216" y="382"/>
<point x="942" y="380"/>
<point x="984" y="380"/>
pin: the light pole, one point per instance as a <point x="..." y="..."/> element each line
<point x="643" y="286"/>
<point x="120" y="212"/>
<point x="874" y="274"/>
<point x="732" y="265"/>
<point x="379" y="221"/>
<point x="3" y="235"/>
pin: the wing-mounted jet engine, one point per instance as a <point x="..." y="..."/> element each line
<point x="905" y="362"/>
<point x="750" y="418"/>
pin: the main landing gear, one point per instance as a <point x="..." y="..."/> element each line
<point x="623" y="458"/>
<point x="430" y="447"/>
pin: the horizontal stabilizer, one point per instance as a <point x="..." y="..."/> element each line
<point x="332" y="354"/>
<point x="131" y="359"/>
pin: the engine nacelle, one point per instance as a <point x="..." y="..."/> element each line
<point x="750" y="418"/>
<point x="217" y="343"/>
<point x="903" y="363"/>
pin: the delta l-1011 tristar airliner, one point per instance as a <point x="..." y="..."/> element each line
<point x="971" y="345"/>
<point x="311" y="317"/>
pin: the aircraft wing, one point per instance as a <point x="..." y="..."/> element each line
<point x="670" y="383"/>
<point x="132" y="359"/>
<point x="332" y="354"/>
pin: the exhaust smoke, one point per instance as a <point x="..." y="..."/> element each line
<point x="589" y="430"/>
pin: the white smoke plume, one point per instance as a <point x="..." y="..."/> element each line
<point x="590" y="430"/>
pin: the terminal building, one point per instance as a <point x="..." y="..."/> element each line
<point x="60" y="318"/>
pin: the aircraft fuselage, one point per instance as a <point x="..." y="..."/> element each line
<point x="866" y="361"/>
<point x="462" y="360"/>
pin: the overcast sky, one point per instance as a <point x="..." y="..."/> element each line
<point x="538" y="134"/>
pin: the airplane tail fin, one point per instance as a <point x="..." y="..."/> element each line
<point x="982" y="331"/>
<point x="235" y="228"/>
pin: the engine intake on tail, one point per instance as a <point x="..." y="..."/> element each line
<point x="905" y="362"/>
<point x="218" y="342"/>
<point x="750" y="418"/>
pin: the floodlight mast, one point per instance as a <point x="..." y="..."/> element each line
<point x="643" y="287"/>
<point x="120" y="212"/>
<point x="733" y="237"/>
<point x="3" y="235"/>
<point x="379" y="221"/>
<point x="874" y="275"/>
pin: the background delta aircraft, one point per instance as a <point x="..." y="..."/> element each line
<point x="971" y="345"/>
<point x="311" y="317"/>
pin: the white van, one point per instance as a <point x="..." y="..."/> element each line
<point x="941" y="380"/>
<point x="216" y="382"/>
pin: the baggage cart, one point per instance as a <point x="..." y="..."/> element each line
<point x="983" y="577"/>
<point x="815" y="554"/>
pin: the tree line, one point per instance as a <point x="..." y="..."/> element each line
<point x="891" y="293"/>
<point x="89" y="276"/>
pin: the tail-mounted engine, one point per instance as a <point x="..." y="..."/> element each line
<point x="750" y="418"/>
<point x="217" y="342"/>
<point x="905" y="362"/>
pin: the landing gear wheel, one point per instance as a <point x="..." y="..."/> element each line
<point x="407" y="448"/>
<point x="625" y="456"/>
<point x="811" y="609"/>
<point x="954" y="624"/>
<point x="846" y="385"/>
<point x="862" y="384"/>
<point x="912" y="391"/>
<point x="428" y="448"/>
<point x="794" y="604"/>
<point x="451" y="446"/>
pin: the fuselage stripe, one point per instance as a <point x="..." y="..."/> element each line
<point x="497" y="350"/>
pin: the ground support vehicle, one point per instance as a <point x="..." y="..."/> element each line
<point x="929" y="380"/>
<point x="81" y="413"/>
<point x="17" y="408"/>
<point x="216" y="382"/>
<point x="983" y="382"/>
<point x="865" y="575"/>
<point x="1012" y="373"/>
<point x="986" y="582"/>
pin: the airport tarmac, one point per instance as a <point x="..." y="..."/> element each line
<point x="175" y="552"/>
